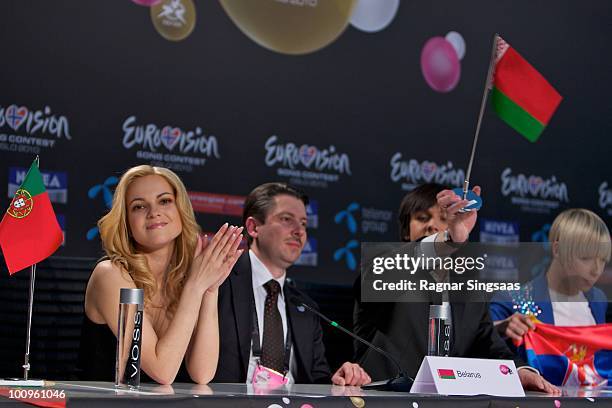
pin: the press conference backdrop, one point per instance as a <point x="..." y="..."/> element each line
<point x="330" y="95"/>
<point x="309" y="92"/>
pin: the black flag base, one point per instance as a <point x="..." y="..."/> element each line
<point x="401" y="383"/>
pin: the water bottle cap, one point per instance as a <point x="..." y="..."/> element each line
<point x="131" y="296"/>
<point x="438" y="312"/>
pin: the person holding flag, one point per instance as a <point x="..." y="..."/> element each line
<point x="431" y="214"/>
<point x="564" y="296"/>
<point x="152" y="242"/>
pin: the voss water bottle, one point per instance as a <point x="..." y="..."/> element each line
<point x="129" y="338"/>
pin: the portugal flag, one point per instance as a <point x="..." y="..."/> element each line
<point x="29" y="231"/>
<point x="521" y="96"/>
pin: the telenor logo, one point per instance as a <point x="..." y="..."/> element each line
<point x="505" y="370"/>
<point x="446" y="374"/>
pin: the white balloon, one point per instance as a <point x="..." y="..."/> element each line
<point x="374" y="15"/>
<point x="457" y="42"/>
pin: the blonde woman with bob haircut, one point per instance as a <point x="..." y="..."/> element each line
<point x="152" y="241"/>
<point x="565" y="295"/>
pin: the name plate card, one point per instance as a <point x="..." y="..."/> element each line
<point x="467" y="376"/>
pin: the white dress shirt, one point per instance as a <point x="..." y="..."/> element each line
<point x="571" y="310"/>
<point x="261" y="275"/>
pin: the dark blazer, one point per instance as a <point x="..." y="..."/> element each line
<point x="400" y="328"/>
<point x="502" y="304"/>
<point x="236" y="326"/>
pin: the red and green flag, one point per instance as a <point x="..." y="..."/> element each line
<point x="29" y="231"/>
<point x="446" y="374"/>
<point x="521" y="95"/>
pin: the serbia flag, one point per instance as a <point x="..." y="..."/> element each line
<point x="571" y="356"/>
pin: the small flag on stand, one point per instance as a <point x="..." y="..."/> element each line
<point x="29" y="231"/>
<point x="521" y="95"/>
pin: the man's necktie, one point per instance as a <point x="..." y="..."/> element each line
<point x="273" y="345"/>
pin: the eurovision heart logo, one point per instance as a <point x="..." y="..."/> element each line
<point x="15" y="116"/>
<point x="307" y="155"/>
<point x="428" y="170"/>
<point x="170" y="136"/>
<point x="534" y="184"/>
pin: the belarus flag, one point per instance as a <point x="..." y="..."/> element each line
<point x="570" y="355"/>
<point x="521" y="96"/>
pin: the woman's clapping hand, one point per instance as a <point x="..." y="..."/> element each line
<point x="214" y="260"/>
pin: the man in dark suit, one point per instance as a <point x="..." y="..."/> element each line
<point x="430" y="214"/>
<point x="260" y="320"/>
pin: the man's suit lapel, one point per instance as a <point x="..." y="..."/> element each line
<point x="243" y="300"/>
<point x="457" y="315"/>
<point x="301" y="334"/>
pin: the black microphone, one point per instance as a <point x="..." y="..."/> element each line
<point x="402" y="382"/>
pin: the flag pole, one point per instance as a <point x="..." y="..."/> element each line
<point x="483" y="104"/>
<point x="26" y="365"/>
<point x="26" y="381"/>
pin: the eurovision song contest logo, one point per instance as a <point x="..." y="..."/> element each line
<point x="169" y="146"/>
<point x="534" y="194"/>
<point x="306" y="165"/>
<point x="27" y="130"/>
<point x="411" y="172"/>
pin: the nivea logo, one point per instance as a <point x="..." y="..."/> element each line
<point x="500" y="228"/>
<point x="416" y="172"/>
<point x="311" y="157"/>
<point x="534" y="186"/>
<point x="51" y="180"/>
<point x="34" y="121"/>
<point x="152" y="137"/>
<point x="605" y="195"/>
<point x="55" y="182"/>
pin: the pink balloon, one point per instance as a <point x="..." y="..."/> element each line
<point x="440" y="65"/>
<point x="147" y="3"/>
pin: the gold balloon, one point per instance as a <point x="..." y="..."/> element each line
<point x="358" y="402"/>
<point x="290" y="26"/>
<point x="174" y="19"/>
